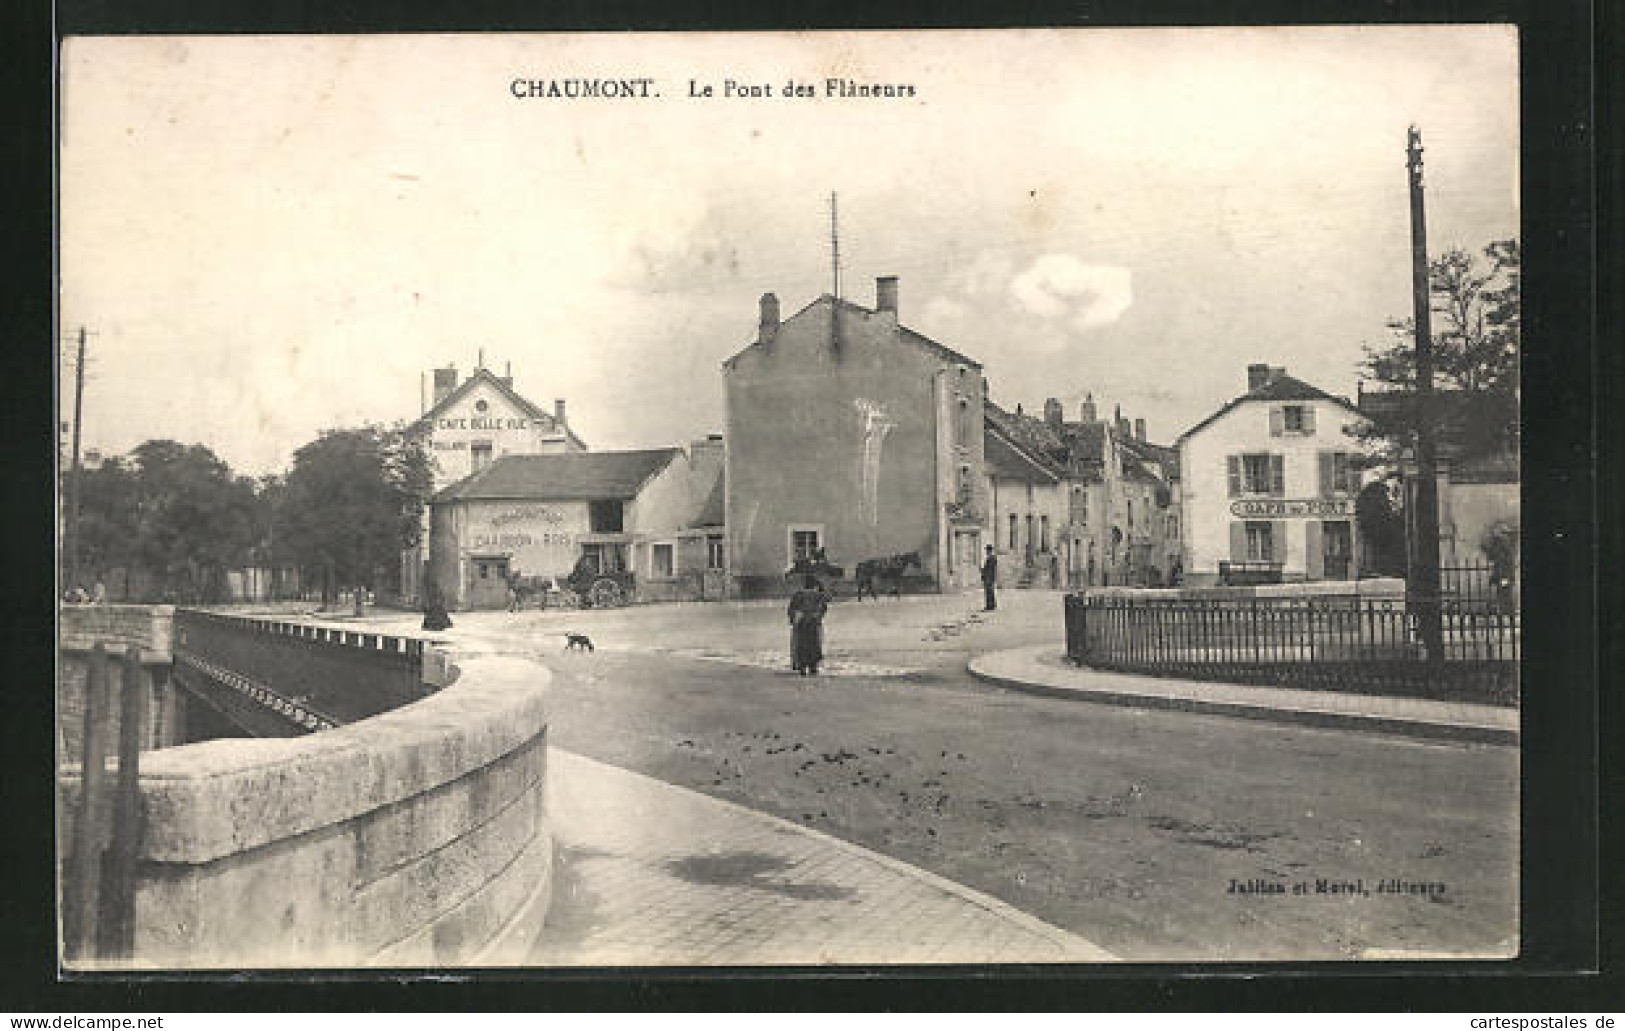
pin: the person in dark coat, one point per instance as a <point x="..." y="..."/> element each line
<point x="807" y="608"/>
<point x="990" y="577"/>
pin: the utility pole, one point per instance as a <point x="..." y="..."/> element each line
<point x="76" y="472"/>
<point x="1423" y="587"/>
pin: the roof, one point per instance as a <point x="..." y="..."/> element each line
<point x="918" y="339"/>
<point x="712" y="511"/>
<point x="1282" y="388"/>
<point x="483" y="375"/>
<point x="1007" y="459"/>
<point x="575" y="476"/>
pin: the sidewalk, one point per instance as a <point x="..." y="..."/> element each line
<point x="651" y="874"/>
<point x="1042" y="669"/>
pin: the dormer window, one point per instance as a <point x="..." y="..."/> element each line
<point x="1292" y="421"/>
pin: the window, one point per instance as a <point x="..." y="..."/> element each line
<point x="1043" y="533"/>
<point x="480" y="450"/>
<point x="716" y="553"/>
<point x="1080" y="506"/>
<point x="1293" y="421"/>
<point x="1131" y="515"/>
<point x="962" y="422"/>
<point x="1015" y="533"/>
<point x="661" y="560"/>
<point x="963" y="490"/>
<point x="1338" y="473"/>
<point x="1030" y="537"/>
<point x="1257" y="474"/>
<point x="604" y="516"/>
<point x="805" y="541"/>
<point x="604" y="558"/>
<point x="1260" y="542"/>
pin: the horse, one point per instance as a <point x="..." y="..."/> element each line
<point x="873" y="571"/>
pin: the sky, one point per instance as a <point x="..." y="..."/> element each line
<point x="272" y="236"/>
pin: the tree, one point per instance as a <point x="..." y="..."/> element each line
<point x="193" y="518"/>
<point x="1476" y="339"/>
<point x="352" y="501"/>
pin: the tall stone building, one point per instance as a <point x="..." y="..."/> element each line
<point x="850" y="432"/>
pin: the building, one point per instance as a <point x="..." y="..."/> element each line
<point x="466" y="427"/>
<point x="850" y="432"/>
<point x="652" y="513"/>
<point x="1119" y="523"/>
<point x="1268" y="485"/>
<point x="1478" y="487"/>
<point x="1029" y="516"/>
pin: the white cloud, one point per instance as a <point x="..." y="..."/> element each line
<point x="1062" y="286"/>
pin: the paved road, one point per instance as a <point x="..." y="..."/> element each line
<point x="1125" y="826"/>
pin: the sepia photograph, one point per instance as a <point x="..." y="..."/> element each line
<point x="829" y="499"/>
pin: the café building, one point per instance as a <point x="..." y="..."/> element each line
<point x="1268" y="486"/>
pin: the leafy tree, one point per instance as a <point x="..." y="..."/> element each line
<point x="1477" y="332"/>
<point x="193" y="519"/>
<point x="107" y="518"/>
<point x="352" y="501"/>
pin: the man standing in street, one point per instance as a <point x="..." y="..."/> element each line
<point x="990" y="576"/>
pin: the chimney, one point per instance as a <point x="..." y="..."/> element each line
<point x="1087" y="411"/>
<point x="445" y="381"/>
<point x="1139" y="429"/>
<point x="558" y="410"/>
<point x="507" y="375"/>
<point x="886" y="294"/>
<point x="1052" y="413"/>
<point x="1258" y="375"/>
<point x="769" y="327"/>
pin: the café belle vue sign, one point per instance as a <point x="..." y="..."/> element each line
<point x="1293" y="508"/>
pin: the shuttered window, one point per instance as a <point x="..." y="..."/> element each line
<point x="1338" y="474"/>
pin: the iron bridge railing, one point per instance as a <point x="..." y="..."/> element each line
<point x="304" y="677"/>
<point x="1328" y="642"/>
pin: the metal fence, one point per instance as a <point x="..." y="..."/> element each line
<point x="1326" y="642"/>
<point x="309" y="676"/>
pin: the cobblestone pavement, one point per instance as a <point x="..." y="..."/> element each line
<point x="650" y="874"/>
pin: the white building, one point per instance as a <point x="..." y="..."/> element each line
<point x="1269" y="484"/>
<point x="469" y="425"/>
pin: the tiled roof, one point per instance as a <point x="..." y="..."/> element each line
<point x="1282" y="388"/>
<point x="579" y="476"/>
<point x="917" y="339"/>
<point x="1009" y="460"/>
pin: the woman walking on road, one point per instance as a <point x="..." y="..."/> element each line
<point x="807" y="608"/>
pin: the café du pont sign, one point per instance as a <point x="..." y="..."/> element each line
<point x="1293" y="508"/>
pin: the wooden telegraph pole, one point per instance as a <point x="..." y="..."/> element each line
<point x="1423" y="587"/>
<point x="75" y="471"/>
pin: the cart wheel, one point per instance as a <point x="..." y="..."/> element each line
<point x="606" y="594"/>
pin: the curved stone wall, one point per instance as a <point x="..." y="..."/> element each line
<point x="415" y="838"/>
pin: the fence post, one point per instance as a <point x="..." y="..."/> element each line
<point x="116" y="934"/>
<point x="82" y="886"/>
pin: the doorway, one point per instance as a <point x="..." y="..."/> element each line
<point x="488" y="583"/>
<point x="1337" y="549"/>
<point x="967" y="559"/>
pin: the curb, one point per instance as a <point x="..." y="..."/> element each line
<point x="1401" y="725"/>
<point x="1081" y="948"/>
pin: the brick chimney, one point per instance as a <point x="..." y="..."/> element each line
<point x="445" y="381"/>
<point x="768" y="329"/>
<point x="558" y="410"/>
<point x="886" y="294"/>
<point x="1087" y="411"/>
<point x="1261" y="375"/>
<point x="1139" y="429"/>
<point x="1052" y="413"/>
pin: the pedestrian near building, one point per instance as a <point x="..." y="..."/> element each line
<point x="807" y="608"/>
<point x="990" y="577"/>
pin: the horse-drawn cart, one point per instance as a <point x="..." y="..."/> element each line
<point x="593" y="588"/>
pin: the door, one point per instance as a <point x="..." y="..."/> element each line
<point x="488" y="583"/>
<point x="1337" y="547"/>
<point x="967" y="559"/>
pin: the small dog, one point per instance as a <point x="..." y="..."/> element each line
<point x="579" y="642"/>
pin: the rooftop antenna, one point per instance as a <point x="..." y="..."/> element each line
<point x="482" y="357"/>
<point x="835" y="273"/>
